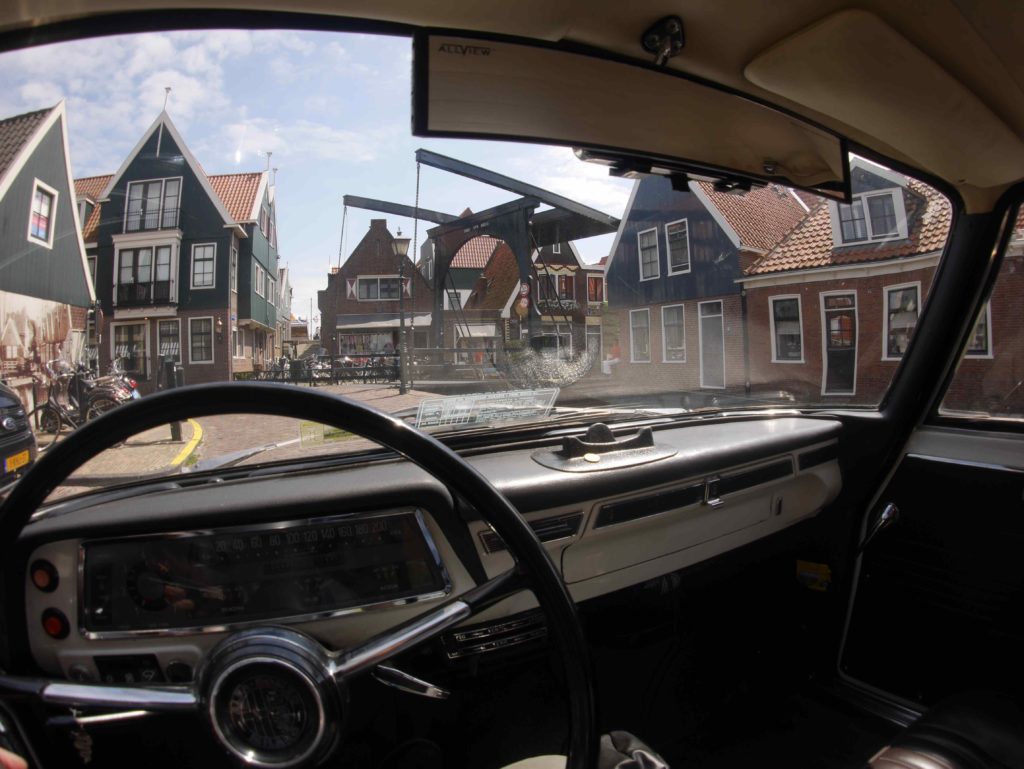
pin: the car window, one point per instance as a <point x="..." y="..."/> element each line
<point x="212" y="230"/>
<point x="989" y="380"/>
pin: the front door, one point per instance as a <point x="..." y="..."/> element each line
<point x="712" y="345"/>
<point x="840" y="322"/>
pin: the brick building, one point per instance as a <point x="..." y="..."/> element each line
<point x="359" y="309"/>
<point x="831" y="309"/>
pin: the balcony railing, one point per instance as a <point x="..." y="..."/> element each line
<point x="141" y="294"/>
<point x="139" y="221"/>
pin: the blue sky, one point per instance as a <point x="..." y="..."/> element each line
<point x="333" y="109"/>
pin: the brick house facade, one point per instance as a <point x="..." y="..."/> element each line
<point x="359" y="309"/>
<point x="831" y="309"/>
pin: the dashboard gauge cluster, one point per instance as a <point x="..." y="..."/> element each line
<point x="214" y="579"/>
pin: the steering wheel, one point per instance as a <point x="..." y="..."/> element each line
<point x="316" y="674"/>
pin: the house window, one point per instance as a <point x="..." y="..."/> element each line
<point x="383" y="289"/>
<point x="647" y="242"/>
<point x="144" y="276"/>
<point x="203" y="265"/>
<point x="678" y="236"/>
<point x="556" y="248"/>
<point x="130" y="346"/>
<point x="454" y="299"/>
<point x="901" y="309"/>
<point x="270" y="290"/>
<point x="980" y="343"/>
<point x="787" y="330"/>
<point x="234" y="269"/>
<point x="640" y="336"/>
<point x="92" y="269"/>
<point x="153" y="205"/>
<point x="85" y="209"/>
<point x="200" y="334"/>
<point x="566" y="287"/>
<point x="260" y="278"/>
<point x="673" y="334"/>
<point x="42" y="214"/>
<point x="595" y="289"/>
<point x="871" y="216"/>
<point x="169" y="339"/>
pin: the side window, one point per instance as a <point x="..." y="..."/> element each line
<point x="42" y="214"/>
<point x="902" y="304"/>
<point x="989" y="381"/>
<point x="647" y="243"/>
<point x="640" y="336"/>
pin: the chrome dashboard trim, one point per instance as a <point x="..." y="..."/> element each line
<point x="94" y="635"/>
<point x="135" y="697"/>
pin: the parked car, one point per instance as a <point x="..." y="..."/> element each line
<point x="798" y="543"/>
<point x="17" y="442"/>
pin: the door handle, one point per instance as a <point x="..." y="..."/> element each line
<point x="889" y="515"/>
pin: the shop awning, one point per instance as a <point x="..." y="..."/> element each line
<point x="477" y="330"/>
<point x="379" y="320"/>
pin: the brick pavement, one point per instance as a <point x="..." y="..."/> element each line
<point x="153" y="452"/>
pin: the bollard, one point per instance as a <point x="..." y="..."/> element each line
<point x="173" y="375"/>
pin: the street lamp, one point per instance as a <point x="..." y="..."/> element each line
<point x="400" y="246"/>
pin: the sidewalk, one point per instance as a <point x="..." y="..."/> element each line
<point x="146" y="454"/>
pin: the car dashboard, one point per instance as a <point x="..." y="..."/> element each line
<point x="139" y="589"/>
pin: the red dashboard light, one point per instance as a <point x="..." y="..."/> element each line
<point x="55" y="624"/>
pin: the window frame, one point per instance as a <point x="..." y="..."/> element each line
<point x="192" y="267"/>
<point x="159" y="323"/>
<point x="632" y="342"/>
<point x="989" y="354"/>
<point x="599" y="279"/>
<point x="39" y="185"/>
<point x="145" y="374"/>
<point x="260" y="280"/>
<point x="213" y="354"/>
<point x="885" y="316"/>
<point x="800" y="324"/>
<point x="233" y="277"/>
<point x="163" y="198"/>
<point x="664" y="336"/>
<point x="640" y="255"/>
<point x="899" y="209"/>
<point x="668" y="248"/>
<point x="377" y="279"/>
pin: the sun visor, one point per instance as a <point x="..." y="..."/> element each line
<point x="858" y="69"/>
<point x="477" y="87"/>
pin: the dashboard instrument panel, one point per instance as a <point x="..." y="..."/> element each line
<point x="211" y="580"/>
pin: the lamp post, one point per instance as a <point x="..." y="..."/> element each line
<point x="400" y="246"/>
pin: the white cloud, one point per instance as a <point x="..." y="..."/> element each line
<point x="43" y="93"/>
<point x="305" y="139"/>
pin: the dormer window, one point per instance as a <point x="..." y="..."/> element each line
<point x="153" y="205"/>
<point x="870" y="217"/>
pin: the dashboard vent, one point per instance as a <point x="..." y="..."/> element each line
<point x="546" y="529"/>
<point x="494" y="636"/>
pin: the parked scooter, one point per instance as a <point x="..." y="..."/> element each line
<point x="125" y="388"/>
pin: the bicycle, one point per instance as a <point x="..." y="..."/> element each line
<point x="66" y="394"/>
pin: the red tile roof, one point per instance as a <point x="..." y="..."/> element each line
<point x="810" y="244"/>
<point x="15" y="131"/>
<point x="761" y="217"/>
<point x="91" y="187"/>
<point x="496" y="283"/>
<point x="238" y="191"/>
<point x="475" y="252"/>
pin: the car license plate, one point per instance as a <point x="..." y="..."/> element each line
<point x="12" y="463"/>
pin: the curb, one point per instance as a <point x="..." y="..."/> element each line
<point x="174" y="467"/>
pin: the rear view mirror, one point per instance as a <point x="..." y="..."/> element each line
<point x="631" y="115"/>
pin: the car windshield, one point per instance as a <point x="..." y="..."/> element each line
<point x="251" y="205"/>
